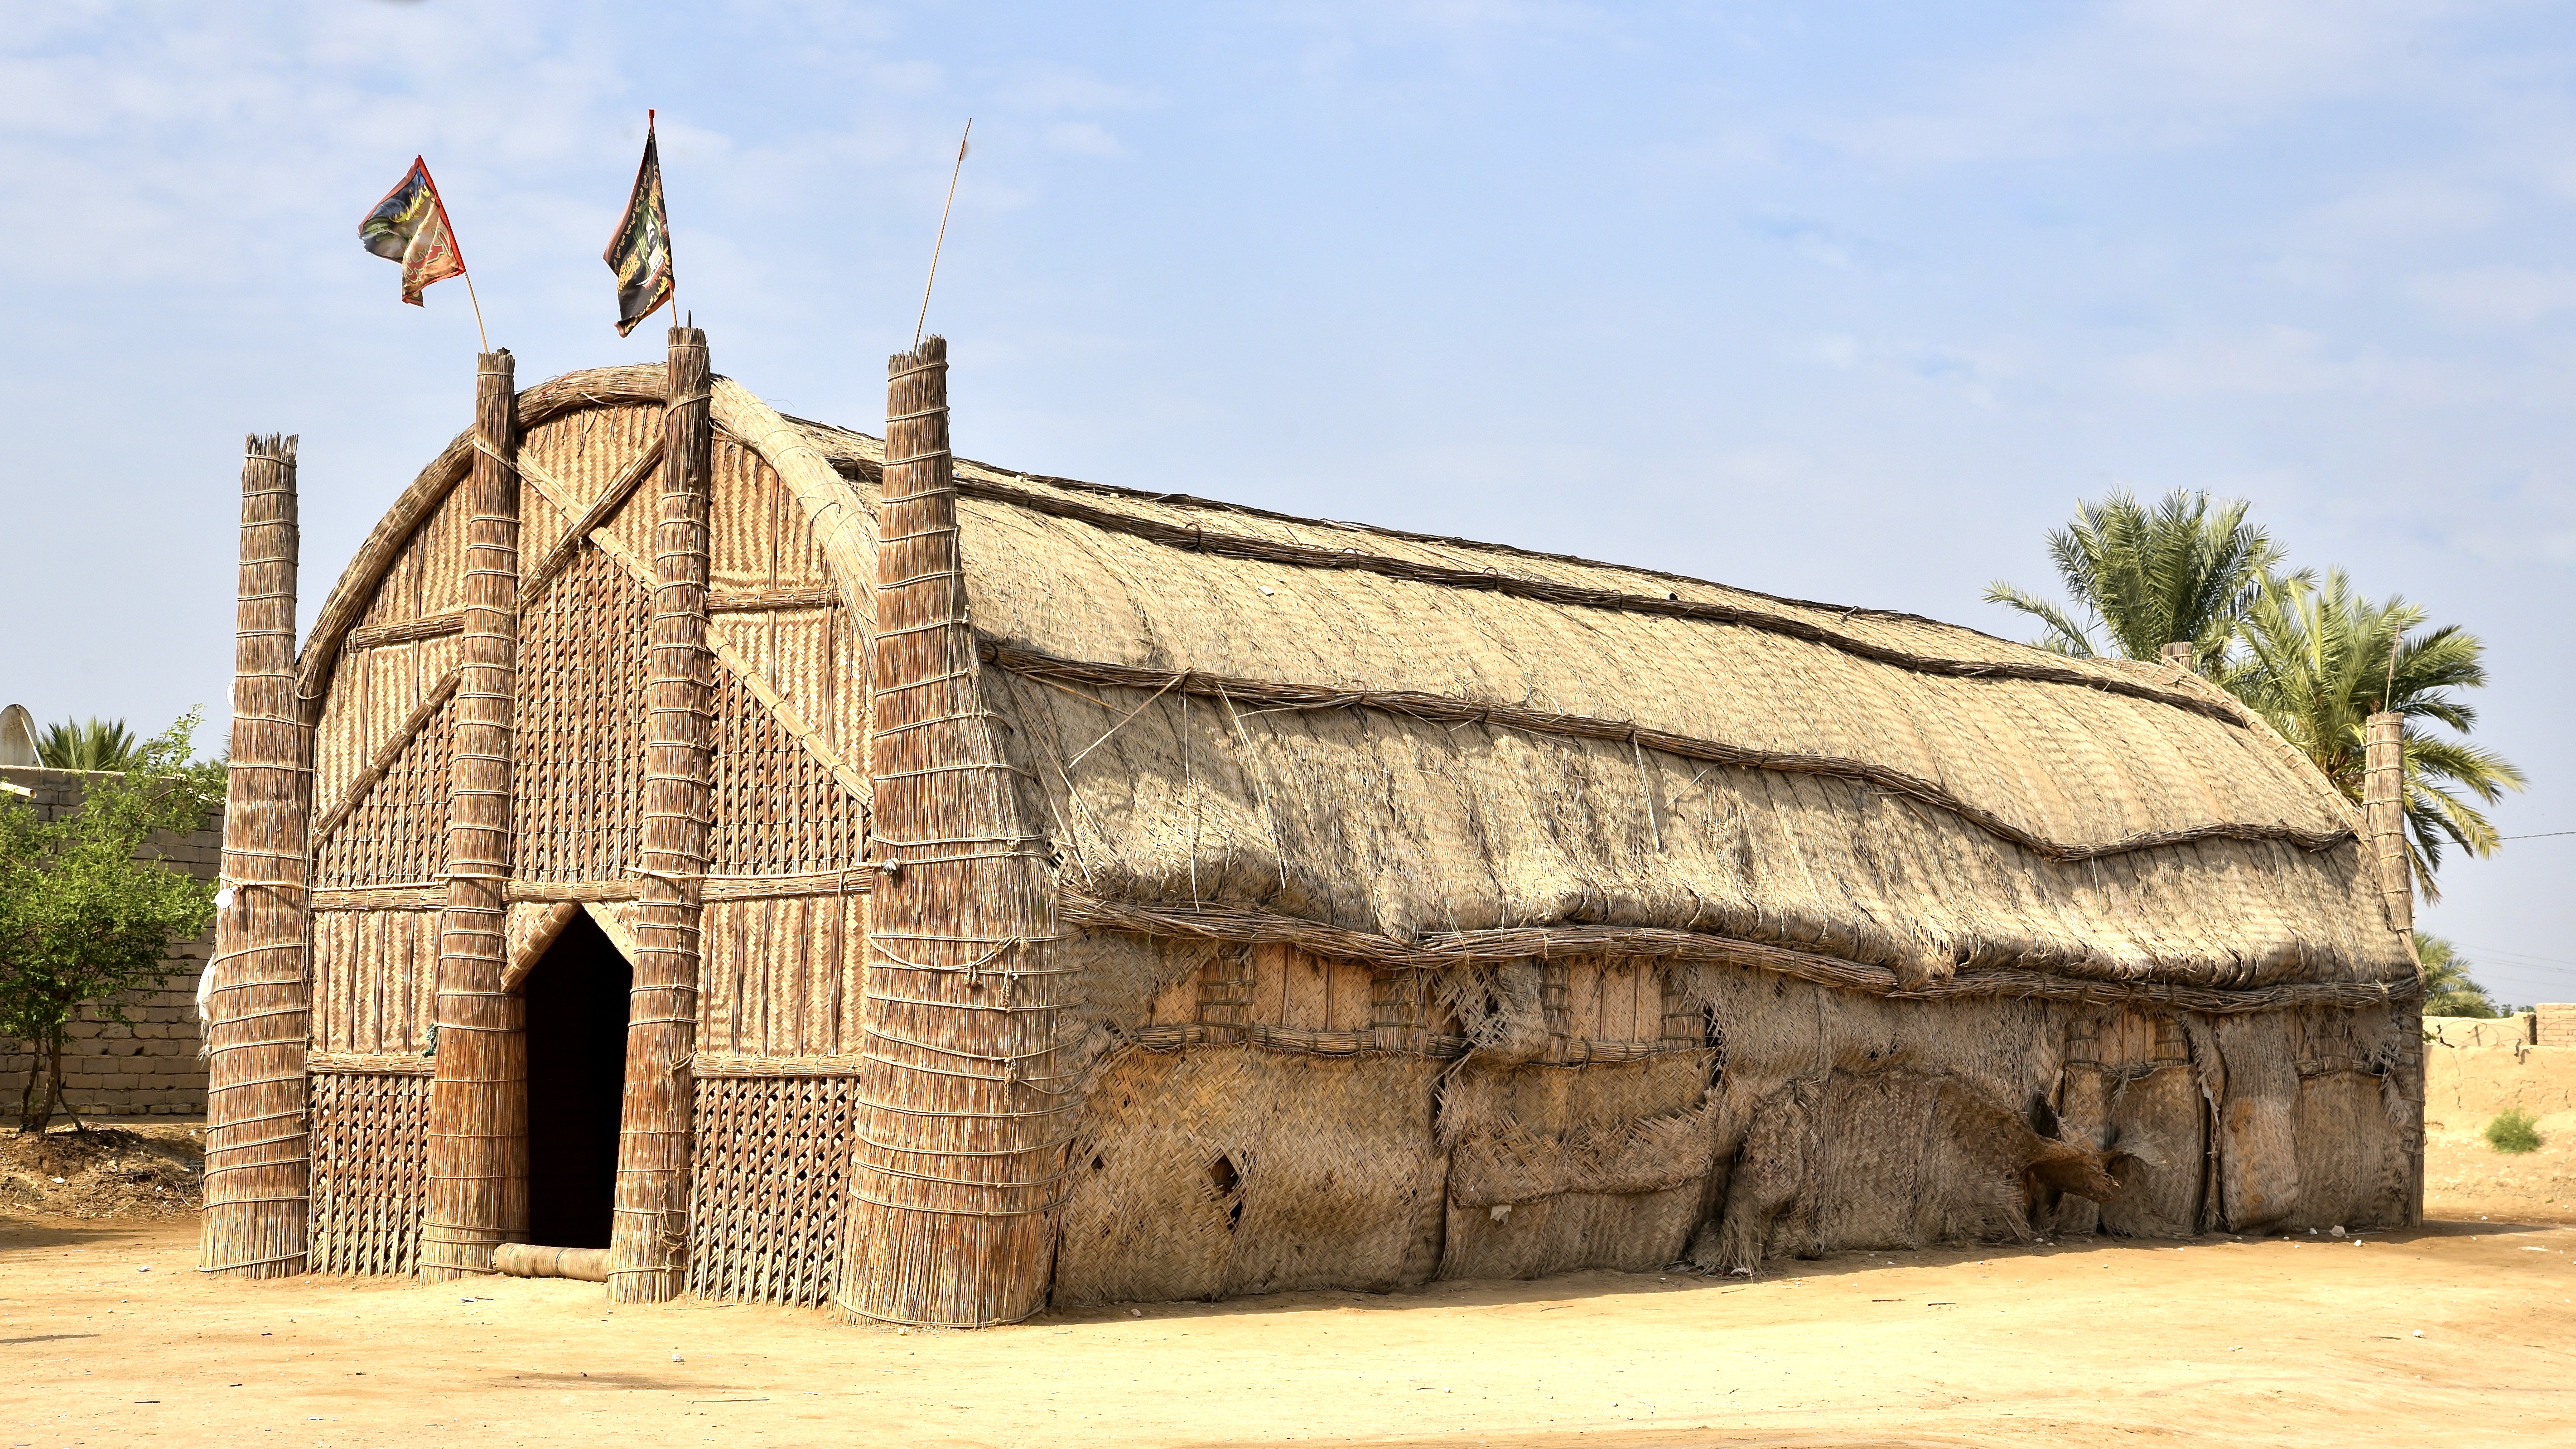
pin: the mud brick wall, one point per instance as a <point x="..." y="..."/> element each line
<point x="150" y="1068"/>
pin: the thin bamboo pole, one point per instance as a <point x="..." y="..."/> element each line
<point x="258" y="1162"/>
<point x="2383" y="812"/>
<point x="478" y="1103"/>
<point x="962" y="1112"/>
<point x="648" y="1250"/>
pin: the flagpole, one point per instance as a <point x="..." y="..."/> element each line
<point x="671" y="298"/>
<point x="484" y="337"/>
<point x="924" y="319"/>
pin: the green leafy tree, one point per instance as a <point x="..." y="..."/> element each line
<point x="2138" y="577"/>
<point x="2320" y="659"/>
<point x="2448" y="989"/>
<point x="99" y="744"/>
<point x="83" y="922"/>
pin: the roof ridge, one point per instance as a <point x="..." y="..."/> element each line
<point x="1217" y="505"/>
<point x="1305" y="555"/>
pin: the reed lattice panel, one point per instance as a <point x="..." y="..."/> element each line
<point x="370" y="1170"/>
<point x="777" y="809"/>
<point x="398" y="829"/>
<point x="579" y="763"/>
<point x="765" y="1209"/>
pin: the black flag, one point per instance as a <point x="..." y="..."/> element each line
<point x="640" y="252"/>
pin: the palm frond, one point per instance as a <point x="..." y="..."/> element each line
<point x="2064" y="636"/>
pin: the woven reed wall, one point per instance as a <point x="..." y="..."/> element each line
<point x="581" y="763"/>
<point x="761" y="539"/>
<point x="397" y="830"/>
<point x="781" y="977"/>
<point x="778" y="811"/>
<point x="374" y="973"/>
<point x="766" y="1201"/>
<point x="582" y="453"/>
<point x="370" y="1170"/>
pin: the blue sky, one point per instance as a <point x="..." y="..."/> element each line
<point x="1849" y="302"/>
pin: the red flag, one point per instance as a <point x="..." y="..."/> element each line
<point x="410" y="226"/>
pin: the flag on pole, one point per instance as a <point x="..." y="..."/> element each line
<point x="640" y="252"/>
<point x="410" y="226"/>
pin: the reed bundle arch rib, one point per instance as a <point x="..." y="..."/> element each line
<point x="772" y="863"/>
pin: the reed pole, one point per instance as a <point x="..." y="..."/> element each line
<point x="648" y="1251"/>
<point x="258" y="1162"/>
<point x="2383" y="814"/>
<point x="478" y="1100"/>
<point x="963" y="1107"/>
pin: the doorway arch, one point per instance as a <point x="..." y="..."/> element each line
<point x="576" y="1000"/>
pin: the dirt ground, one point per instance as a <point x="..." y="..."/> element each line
<point x="2305" y="1341"/>
<point x="123" y="1170"/>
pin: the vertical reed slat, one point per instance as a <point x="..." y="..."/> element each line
<point x="648" y="1244"/>
<point x="258" y="1158"/>
<point x="961" y="1113"/>
<point x="478" y="1111"/>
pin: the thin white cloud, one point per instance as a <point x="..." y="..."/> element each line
<point x="2498" y="296"/>
<point x="2159" y="74"/>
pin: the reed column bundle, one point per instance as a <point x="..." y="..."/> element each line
<point x="258" y="1155"/>
<point x="962" y="1112"/>
<point x="2383" y="812"/>
<point x="478" y="1103"/>
<point x="648" y="1253"/>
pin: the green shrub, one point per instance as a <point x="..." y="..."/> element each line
<point x="2513" y="1130"/>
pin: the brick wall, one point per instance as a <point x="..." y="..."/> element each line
<point x="150" y="1068"/>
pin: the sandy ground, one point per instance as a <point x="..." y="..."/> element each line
<point x="2306" y="1341"/>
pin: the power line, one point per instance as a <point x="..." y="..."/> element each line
<point x="2515" y="960"/>
<point x="2544" y="835"/>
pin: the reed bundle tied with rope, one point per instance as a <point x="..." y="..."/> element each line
<point x="478" y="1108"/>
<point x="962" y="1107"/>
<point x="258" y="1163"/>
<point x="648" y="1252"/>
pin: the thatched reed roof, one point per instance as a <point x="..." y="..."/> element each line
<point x="1420" y="742"/>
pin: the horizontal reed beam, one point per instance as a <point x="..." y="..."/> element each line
<point x="857" y="880"/>
<point x="773" y="600"/>
<point x="372" y="1064"/>
<point x="1248" y="925"/>
<point x="428" y="626"/>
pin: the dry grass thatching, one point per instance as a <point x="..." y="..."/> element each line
<point x="1403" y="737"/>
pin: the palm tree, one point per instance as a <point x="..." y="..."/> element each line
<point x="100" y="744"/>
<point x="2448" y="991"/>
<point x="2146" y="577"/>
<point x="2320" y="660"/>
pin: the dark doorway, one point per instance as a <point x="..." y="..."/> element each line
<point x="576" y="1082"/>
